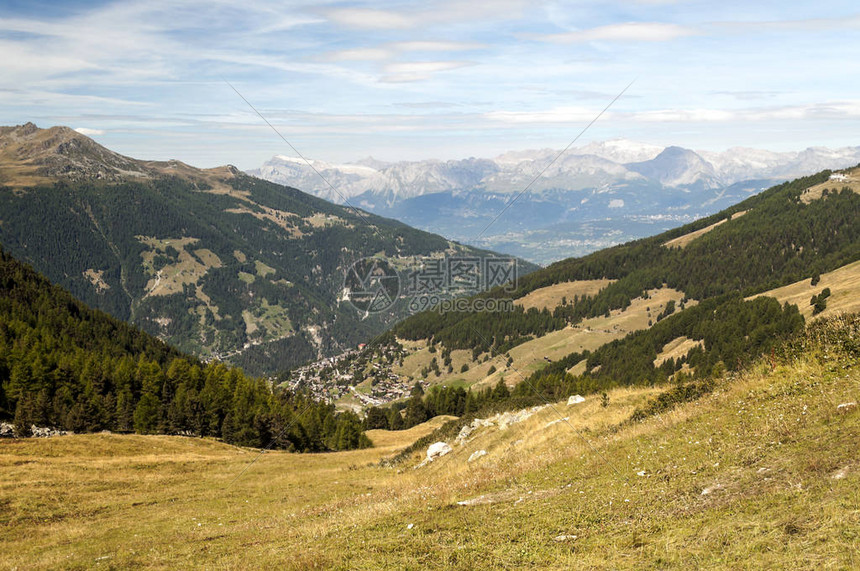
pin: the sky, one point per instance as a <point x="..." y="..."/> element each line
<point x="433" y="79"/>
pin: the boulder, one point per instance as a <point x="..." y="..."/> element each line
<point x="477" y="454"/>
<point x="465" y="433"/>
<point x="437" y="449"/>
<point x="7" y="430"/>
<point x="575" y="399"/>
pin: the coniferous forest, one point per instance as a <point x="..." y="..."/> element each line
<point x="67" y="366"/>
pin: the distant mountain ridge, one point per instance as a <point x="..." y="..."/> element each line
<point x="610" y="161"/>
<point x="591" y="197"/>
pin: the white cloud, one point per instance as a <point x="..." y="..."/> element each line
<point x="424" y="66"/>
<point x="807" y="25"/>
<point x="360" y="54"/>
<point x="447" y="12"/>
<point x="849" y="109"/>
<point x="550" y="116"/>
<point x="616" y="203"/>
<point x="626" y="32"/>
<point x="824" y="110"/>
<point x="367" y="19"/>
<point x="402" y="72"/>
<point x="435" y="46"/>
<point x="89" y="132"/>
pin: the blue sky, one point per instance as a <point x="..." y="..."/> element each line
<point x="434" y="79"/>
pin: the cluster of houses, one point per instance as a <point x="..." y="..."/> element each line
<point x="327" y="379"/>
<point x="332" y="378"/>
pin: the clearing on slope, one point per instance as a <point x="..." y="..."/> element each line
<point x="844" y="285"/>
<point x="552" y="296"/>
<point x="683" y="241"/>
<point x="844" y="179"/>
<point x="533" y="355"/>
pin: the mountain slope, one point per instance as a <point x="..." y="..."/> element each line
<point x="676" y="306"/>
<point x="780" y="239"/>
<point x="761" y="473"/>
<point x="218" y="263"/>
<point x="64" y="365"/>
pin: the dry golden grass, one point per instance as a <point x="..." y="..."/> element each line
<point x="844" y="284"/>
<point x="550" y="297"/>
<point x="676" y="348"/>
<point x="172" y="278"/>
<point x="762" y="473"/>
<point x="531" y="356"/>
<point x="683" y="241"/>
<point x="96" y="277"/>
<point x="388" y="441"/>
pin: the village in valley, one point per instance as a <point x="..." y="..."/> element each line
<point x="356" y="378"/>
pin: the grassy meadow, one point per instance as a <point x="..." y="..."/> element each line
<point x="763" y="472"/>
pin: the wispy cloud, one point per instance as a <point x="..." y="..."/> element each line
<point x="419" y="70"/>
<point x="625" y="32"/>
<point x="342" y="74"/>
<point x="806" y="24"/>
<point x="834" y="110"/>
<point x="360" y="54"/>
<point x="435" y="46"/>
<point x="367" y="19"/>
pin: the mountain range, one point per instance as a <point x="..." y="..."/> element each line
<point x="218" y="263"/>
<point x="585" y="199"/>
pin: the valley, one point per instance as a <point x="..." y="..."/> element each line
<point x="217" y="263"/>
<point x="429" y="285"/>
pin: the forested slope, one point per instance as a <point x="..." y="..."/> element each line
<point x="67" y="366"/>
<point x="779" y="240"/>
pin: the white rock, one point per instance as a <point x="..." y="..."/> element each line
<point x="465" y="433"/>
<point x="846" y="407"/>
<point x="437" y="449"/>
<point x="477" y="454"/>
<point x="575" y="399"/>
<point x="561" y="538"/>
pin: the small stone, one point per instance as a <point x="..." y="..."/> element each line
<point x="840" y="473"/>
<point x="563" y="538"/>
<point x="846" y="407"/>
